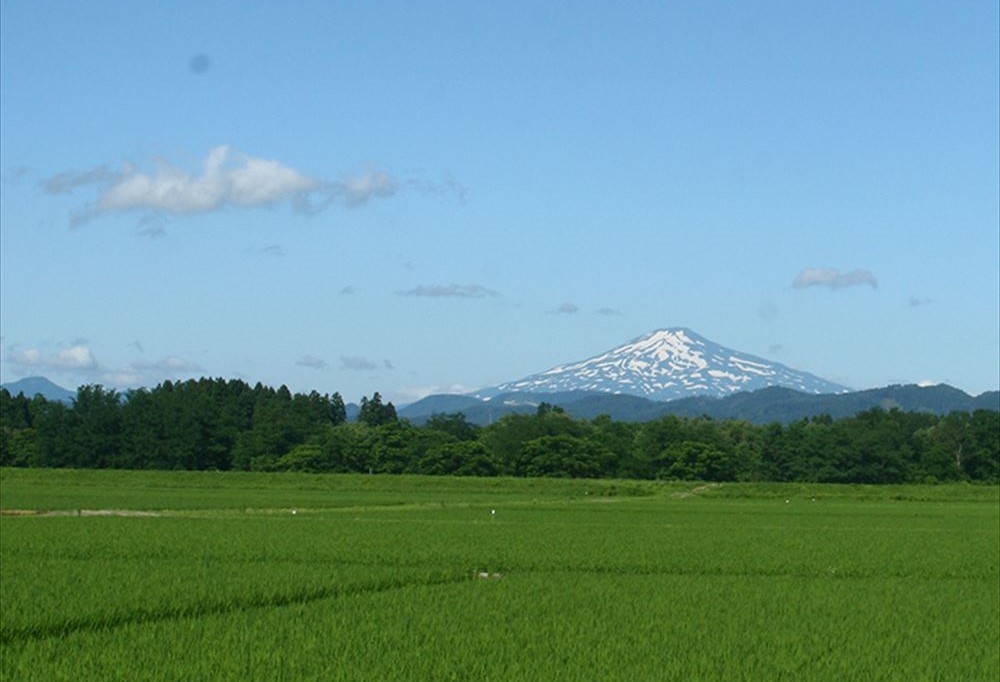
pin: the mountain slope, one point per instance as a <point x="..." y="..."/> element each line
<point x="668" y="364"/>
<point x="32" y="386"/>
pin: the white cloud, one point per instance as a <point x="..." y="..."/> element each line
<point x="229" y="178"/>
<point x="450" y="291"/>
<point x="834" y="279"/>
<point x="74" y="357"/>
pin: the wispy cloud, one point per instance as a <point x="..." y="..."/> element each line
<point x="229" y="178"/>
<point x="360" y="189"/>
<point x="274" y="250"/>
<point x="12" y="177"/>
<point x="168" y="365"/>
<point x="917" y="301"/>
<point x="834" y="279"/>
<point x="357" y="364"/>
<point x="64" y="183"/>
<point x="565" y="309"/>
<point x="438" y="188"/>
<point x="450" y="291"/>
<point x="311" y="361"/>
<point x="609" y="312"/>
<point x="152" y="226"/>
<point x="348" y="290"/>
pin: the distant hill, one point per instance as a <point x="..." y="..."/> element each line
<point x="772" y="404"/>
<point x="32" y="386"/>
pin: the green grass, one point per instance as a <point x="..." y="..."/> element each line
<point x="373" y="579"/>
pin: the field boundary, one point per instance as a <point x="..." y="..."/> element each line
<point x="195" y="611"/>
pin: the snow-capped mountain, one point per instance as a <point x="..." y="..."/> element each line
<point x="665" y="365"/>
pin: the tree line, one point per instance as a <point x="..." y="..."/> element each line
<point x="217" y="424"/>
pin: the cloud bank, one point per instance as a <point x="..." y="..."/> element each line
<point x="79" y="364"/>
<point x="834" y="279"/>
<point x="74" y="357"/>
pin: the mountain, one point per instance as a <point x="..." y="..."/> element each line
<point x="425" y="408"/>
<point x="772" y="404"/>
<point x="32" y="386"/>
<point x="667" y="364"/>
<point x="778" y="404"/>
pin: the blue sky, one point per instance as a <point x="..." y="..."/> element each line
<point x="439" y="196"/>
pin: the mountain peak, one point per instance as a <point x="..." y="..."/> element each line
<point x="666" y="364"/>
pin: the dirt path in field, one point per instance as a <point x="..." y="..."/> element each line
<point x="78" y="512"/>
<point x="309" y="511"/>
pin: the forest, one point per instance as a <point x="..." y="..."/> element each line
<point x="219" y="424"/>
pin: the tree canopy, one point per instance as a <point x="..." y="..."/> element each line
<point x="227" y="424"/>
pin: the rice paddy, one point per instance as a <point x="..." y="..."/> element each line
<point x="300" y="577"/>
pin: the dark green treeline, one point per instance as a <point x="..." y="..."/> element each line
<point x="230" y="425"/>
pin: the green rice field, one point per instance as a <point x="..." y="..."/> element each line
<point x="111" y="575"/>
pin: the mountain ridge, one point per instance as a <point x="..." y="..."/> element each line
<point x="772" y="404"/>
